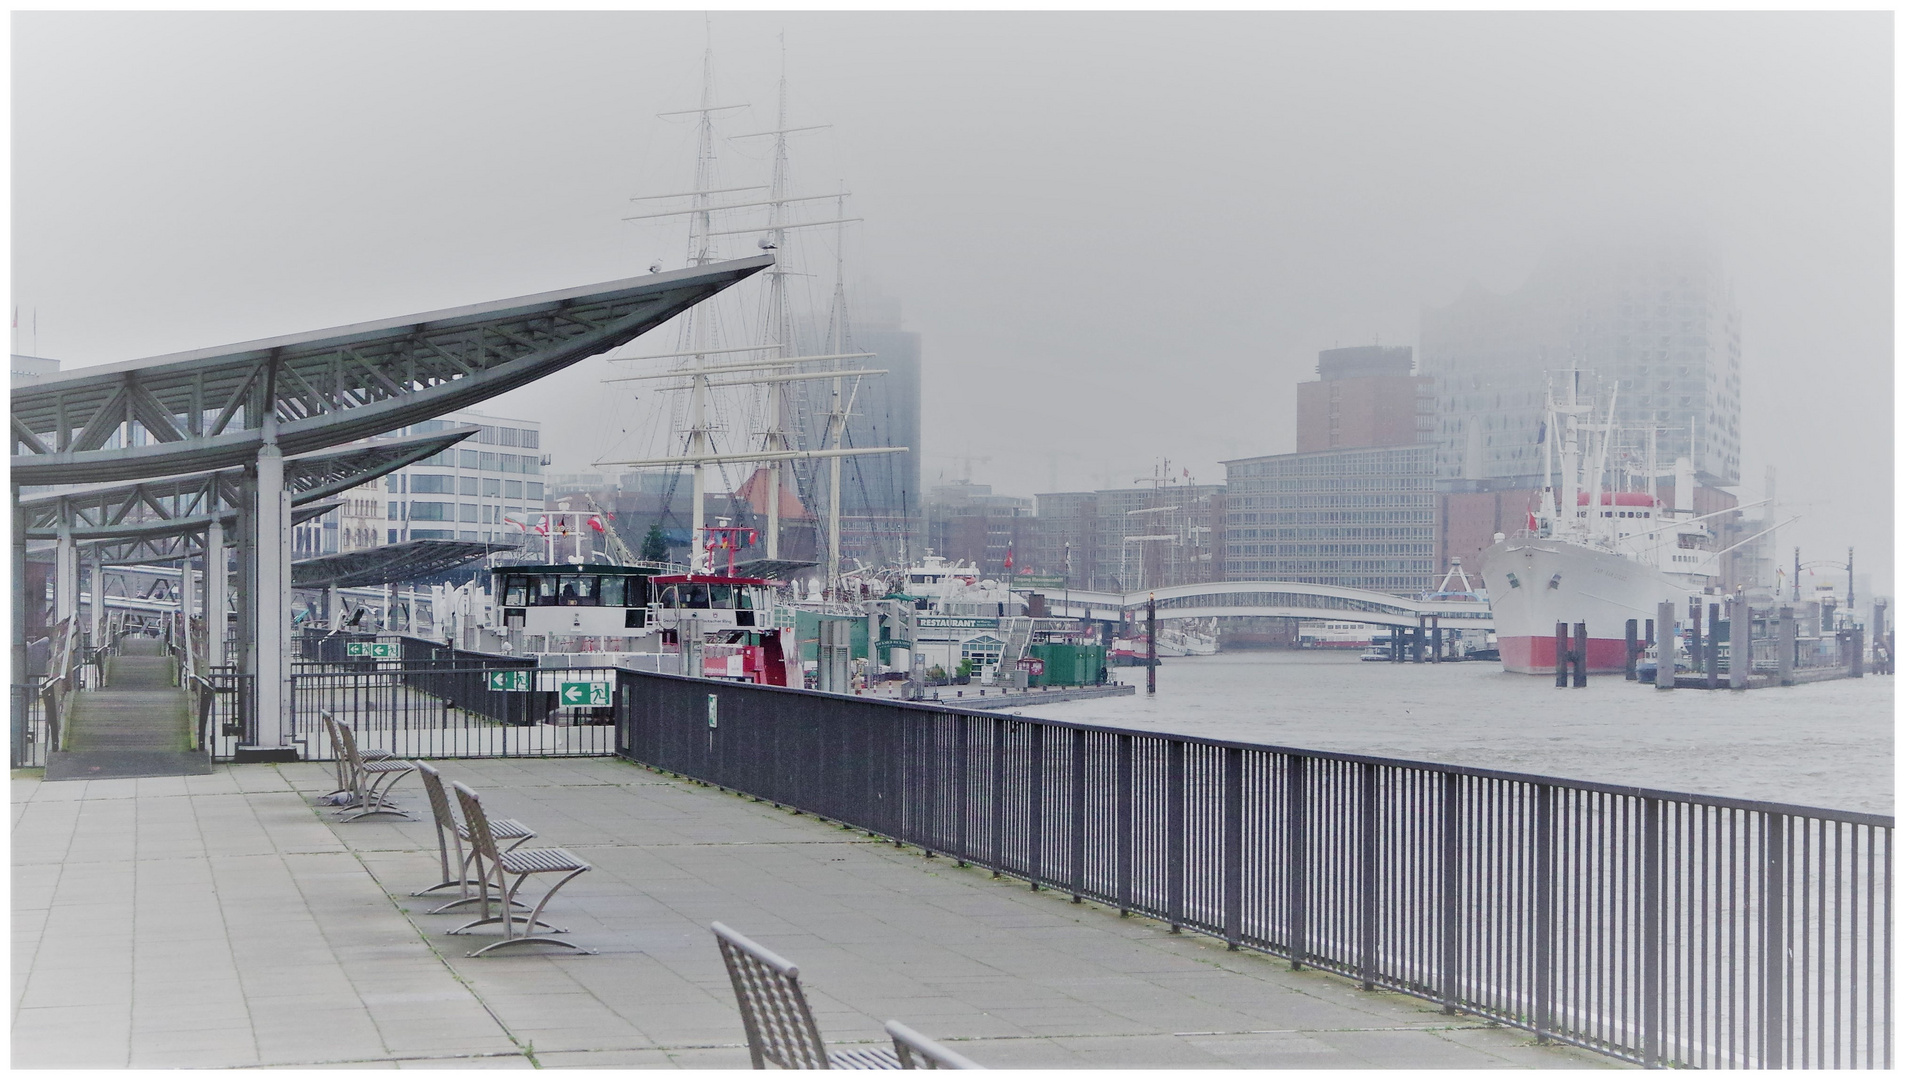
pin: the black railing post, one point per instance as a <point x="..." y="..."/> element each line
<point x="1036" y="851"/>
<point x="1451" y="891"/>
<point x="962" y="768"/>
<point x="1544" y="910"/>
<point x="1650" y="931"/>
<point x="1174" y="834"/>
<point x="1366" y="877"/>
<point x="1296" y="873"/>
<point x="1078" y="815"/>
<point x="1773" y="941"/>
<point x="998" y="796"/>
<point x="1233" y="846"/>
<point x="1633" y="649"/>
<point x="1125" y="823"/>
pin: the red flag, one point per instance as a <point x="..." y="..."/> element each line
<point x="1008" y="558"/>
<point x="1533" y="525"/>
<point x="595" y="522"/>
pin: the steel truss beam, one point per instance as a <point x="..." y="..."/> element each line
<point x="178" y="505"/>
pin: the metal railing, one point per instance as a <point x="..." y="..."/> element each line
<point x="1657" y="927"/>
<point x="436" y="702"/>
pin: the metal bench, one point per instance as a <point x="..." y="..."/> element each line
<point x="341" y="761"/>
<point x="916" y="1051"/>
<point x="370" y="781"/>
<point x="454" y="834"/>
<point x="499" y="865"/>
<point x="780" y="1025"/>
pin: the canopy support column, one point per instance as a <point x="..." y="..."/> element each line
<point x="66" y="580"/>
<point x="215" y="573"/>
<point x="21" y="685"/>
<point x="96" y="609"/>
<point x="271" y="618"/>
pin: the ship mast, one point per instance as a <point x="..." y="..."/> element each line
<point x="774" y="368"/>
<point x="697" y="330"/>
<point x="836" y="414"/>
<point x="778" y="328"/>
<point x="1570" y="455"/>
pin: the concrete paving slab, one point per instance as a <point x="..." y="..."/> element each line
<point x="304" y="948"/>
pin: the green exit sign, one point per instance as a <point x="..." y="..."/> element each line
<point x="376" y="650"/>
<point x="584" y="693"/>
<point x="506" y="681"/>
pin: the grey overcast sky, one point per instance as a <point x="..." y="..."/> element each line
<point x="1122" y="236"/>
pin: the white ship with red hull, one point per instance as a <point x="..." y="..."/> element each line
<point x="1534" y="583"/>
<point x="1617" y="556"/>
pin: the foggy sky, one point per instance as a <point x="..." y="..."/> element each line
<point x="1121" y="236"/>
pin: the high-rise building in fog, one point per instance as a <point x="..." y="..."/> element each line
<point x="1368" y="395"/>
<point x="880" y="499"/>
<point x="1656" y="317"/>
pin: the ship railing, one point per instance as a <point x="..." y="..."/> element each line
<point x="1657" y="927"/>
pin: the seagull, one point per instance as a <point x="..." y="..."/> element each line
<point x="766" y="244"/>
<point x="654" y="267"/>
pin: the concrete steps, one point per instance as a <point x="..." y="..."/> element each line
<point x="138" y="724"/>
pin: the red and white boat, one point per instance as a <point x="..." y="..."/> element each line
<point x="1614" y="555"/>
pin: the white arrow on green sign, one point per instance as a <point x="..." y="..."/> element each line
<point x="377" y="650"/>
<point x="585" y="693"/>
<point x="517" y="680"/>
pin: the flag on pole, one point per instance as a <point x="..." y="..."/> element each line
<point x="595" y="522"/>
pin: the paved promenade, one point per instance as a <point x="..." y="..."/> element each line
<point x="223" y="920"/>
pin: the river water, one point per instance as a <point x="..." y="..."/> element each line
<point x="1822" y="744"/>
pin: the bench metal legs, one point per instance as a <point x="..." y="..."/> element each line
<point x="509" y="919"/>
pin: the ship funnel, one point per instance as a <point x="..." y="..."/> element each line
<point x="1683" y="484"/>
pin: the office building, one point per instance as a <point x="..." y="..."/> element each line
<point x="1125" y="539"/>
<point x="465" y="492"/>
<point x="1360" y="518"/>
<point x="1368" y="395"/>
<point x="966" y="522"/>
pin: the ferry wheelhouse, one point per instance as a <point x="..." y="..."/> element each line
<point x="575" y="599"/>
<point x="728" y="621"/>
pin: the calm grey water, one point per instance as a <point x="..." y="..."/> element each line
<point x="1824" y="744"/>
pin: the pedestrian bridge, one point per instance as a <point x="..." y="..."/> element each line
<point x="1278" y="599"/>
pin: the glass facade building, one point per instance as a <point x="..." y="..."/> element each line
<point x="1656" y="317"/>
<point x="463" y="493"/>
<point x="1361" y="519"/>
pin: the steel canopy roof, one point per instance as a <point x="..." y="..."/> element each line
<point x="206" y="409"/>
<point x="388" y="564"/>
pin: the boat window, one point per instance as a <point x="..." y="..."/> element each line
<point x="744" y="599"/>
<point x="578" y="590"/>
<point x="545" y="590"/>
<point x="614" y="591"/>
<point x="688" y="596"/>
<point x="721" y="596"/>
<point x="515" y="591"/>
